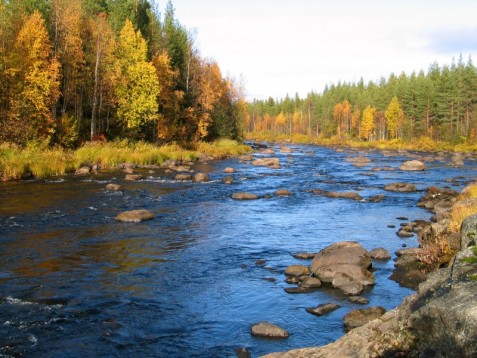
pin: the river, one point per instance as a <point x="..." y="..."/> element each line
<point x="76" y="283"/>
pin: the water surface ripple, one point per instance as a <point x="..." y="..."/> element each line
<point x="76" y="283"/>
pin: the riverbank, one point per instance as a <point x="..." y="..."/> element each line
<point x="440" y="319"/>
<point x="418" y="144"/>
<point x="39" y="161"/>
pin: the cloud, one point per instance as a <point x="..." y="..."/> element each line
<point x="453" y="41"/>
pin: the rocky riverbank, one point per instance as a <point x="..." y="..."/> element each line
<point x="440" y="319"/>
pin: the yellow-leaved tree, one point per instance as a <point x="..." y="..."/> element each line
<point x="394" y="117"/>
<point x="169" y="99"/>
<point x="35" y="73"/>
<point x="367" y="123"/>
<point x="212" y="86"/>
<point x="138" y="85"/>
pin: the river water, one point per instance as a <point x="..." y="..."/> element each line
<point x="76" y="283"/>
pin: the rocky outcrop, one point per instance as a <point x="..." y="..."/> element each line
<point x="358" y="318"/>
<point x="439" y="320"/>
<point x="267" y="329"/>
<point x="413" y="165"/>
<point x="135" y="216"/>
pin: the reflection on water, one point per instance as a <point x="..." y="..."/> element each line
<point x="74" y="282"/>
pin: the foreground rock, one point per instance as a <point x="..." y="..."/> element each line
<point x="413" y="165"/>
<point x="267" y="329"/>
<point x="135" y="216"/>
<point x="244" y="196"/>
<point x="439" y="320"/>
<point x="229" y="170"/>
<point x="282" y="192"/>
<point x="322" y="309"/>
<point x="133" y="177"/>
<point x="401" y="187"/>
<point x="297" y="270"/>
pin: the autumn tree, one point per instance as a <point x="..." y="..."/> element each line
<point x="138" y="86"/>
<point x="35" y="82"/>
<point x="394" y="117"/>
<point x="169" y="99"/>
<point x="367" y="123"/>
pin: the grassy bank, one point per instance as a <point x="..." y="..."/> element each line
<point x="418" y="144"/>
<point x="41" y="162"/>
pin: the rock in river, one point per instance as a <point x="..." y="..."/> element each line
<point x="229" y="170"/>
<point x="413" y="165"/>
<point x="380" y="253"/>
<point x="323" y="309"/>
<point x="113" y="187"/>
<point x="401" y="187"/>
<point x="244" y="196"/>
<point x="267" y="329"/>
<point x="344" y="265"/>
<point x="297" y="270"/>
<point x="273" y="163"/>
<point x="360" y="317"/>
<point x="133" y="177"/>
<point x="282" y="192"/>
<point x="135" y="216"/>
<point x="201" y="178"/>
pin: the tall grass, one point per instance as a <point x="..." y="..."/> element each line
<point x="223" y="148"/>
<point x="35" y="159"/>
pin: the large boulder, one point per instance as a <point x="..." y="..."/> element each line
<point x="413" y="165"/>
<point x="359" y="317"/>
<point x="135" y="216"/>
<point x="341" y="253"/>
<point x="401" y="187"/>
<point x="345" y="266"/>
<point x="267" y="329"/>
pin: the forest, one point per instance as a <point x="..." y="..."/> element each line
<point x="89" y="70"/>
<point x="438" y="105"/>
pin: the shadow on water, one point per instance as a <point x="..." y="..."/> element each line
<point x="74" y="282"/>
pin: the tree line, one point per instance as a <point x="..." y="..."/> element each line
<point x="440" y="104"/>
<point x="76" y="70"/>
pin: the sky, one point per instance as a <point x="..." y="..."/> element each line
<point x="280" y="47"/>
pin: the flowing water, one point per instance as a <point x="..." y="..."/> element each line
<point x="76" y="283"/>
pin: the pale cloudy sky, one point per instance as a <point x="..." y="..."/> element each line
<point x="289" y="46"/>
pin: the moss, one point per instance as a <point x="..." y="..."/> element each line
<point x="471" y="259"/>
